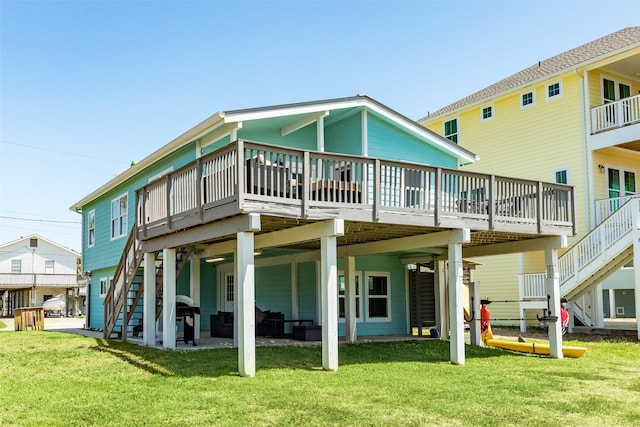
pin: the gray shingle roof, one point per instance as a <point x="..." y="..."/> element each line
<point x="553" y="65"/>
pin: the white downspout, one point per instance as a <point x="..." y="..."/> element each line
<point x="588" y="158"/>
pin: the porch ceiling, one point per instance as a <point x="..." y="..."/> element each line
<point x="633" y="145"/>
<point x="363" y="232"/>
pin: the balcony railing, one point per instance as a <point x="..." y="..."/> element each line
<point x="615" y="114"/>
<point x="307" y="184"/>
<point x="22" y="280"/>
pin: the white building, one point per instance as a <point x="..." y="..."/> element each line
<point x="34" y="269"/>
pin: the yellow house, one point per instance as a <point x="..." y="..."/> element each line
<point x="573" y="118"/>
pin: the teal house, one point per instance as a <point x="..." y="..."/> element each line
<point x="332" y="220"/>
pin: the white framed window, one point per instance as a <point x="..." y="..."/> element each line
<point x="91" y="228"/>
<point x="378" y="296"/>
<point x="16" y="266"/>
<point x="486" y="113"/>
<point x="119" y="216"/>
<point x="527" y="99"/>
<point x="561" y="176"/>
<point x="554" y="90"/>
<point x="105" y="284"/>
<point x="614" y="90"/>
<point x="49" y="266"/>
<point x="341" y="294"/>
<point x="451" y="130"/>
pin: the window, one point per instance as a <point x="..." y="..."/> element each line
<point x="49" y="265"/>
<point x="451" y="130"/>
<point x="612" y="92"/>
<point x="105" y="284"/>
<point x="554" y="90"/>
<point x="91" y="228"/>
<point x="561" y="176"/>
<point x="33" y="243"/>
<point x="621" y="182"/>
<point x="119" y="224"/>
<point x="527" y="100"/>
<point x="487" y="113"/>
<point x="378" y="296"/>
<point x="16" y="266"/>
<point x="341" y="293"/>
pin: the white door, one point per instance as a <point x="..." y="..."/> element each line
<point x="226" y="291"/>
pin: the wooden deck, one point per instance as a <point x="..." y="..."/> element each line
<point x="381" y="197"/>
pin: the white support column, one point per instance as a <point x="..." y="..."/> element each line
<point x="295" y="306"/>
<point x="329" y="285"/>
<point x="598" y="306"/>
<point x="245" y="315"/>
<point x="552" y="288"/>
<point x="350" y="299"/>
<point x="149" y="300"/>
<point x="442" y="322"/>
<point x="456" y="314"/>
<point x="474" y="304"/>
<point x="636" y="265"/>
<point x="612" y="303"/>
<point x="318" y="292"/>
<point x="194" y="292"/>
<point x="169" y="298"/>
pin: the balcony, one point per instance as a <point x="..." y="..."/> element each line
<point x="616" y="124"/>
<point x="304" y="186"/>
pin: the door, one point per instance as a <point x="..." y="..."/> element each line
<point x="226" y="292"/>
<point x="620" y="183"/>
<point x="422" y="299"/>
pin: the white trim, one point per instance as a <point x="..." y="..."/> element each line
<point x="531" y="91"/>
<point x="123" y="233"/>
<point x="560" y="91"/>
<point x="109" y="282"/>
<point x="491" y="117"/>
<point x="368" y="274"/>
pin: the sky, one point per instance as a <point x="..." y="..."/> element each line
<point x="87" y="87"/>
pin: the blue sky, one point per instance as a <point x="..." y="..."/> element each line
<point x="86" y="87"/>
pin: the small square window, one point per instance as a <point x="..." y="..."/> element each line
<point x="561" y="176"/>
<point x="554" y="90"/>
<point x="487" y="113"/>
<point x="527" y="99"/>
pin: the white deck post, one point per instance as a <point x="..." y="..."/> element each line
<point x="456" y="315"/>
<point x="474" y="304"/>
<point x="194" y="292"/>
<point x="245" y="314"/>
<point x="149" y="301"/>
<point x="350" y="299"/>
<point x="169" y="299"/>
<point x="552" y="287"/>
<point x="636" y="262"/>
<point x="598" y="307"/>
<point x="329" y="285"/>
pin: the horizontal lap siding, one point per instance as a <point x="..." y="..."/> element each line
<point x="273" y="289"/>
<point x="498" y="277"/>
<point x="345" y="136"/>
<point x="389" y="142"/>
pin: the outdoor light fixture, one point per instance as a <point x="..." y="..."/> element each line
<point x="601" y="167"/>
<point x="217" y="259"/>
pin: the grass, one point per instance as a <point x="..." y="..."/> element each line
<point x="56" y="379"/>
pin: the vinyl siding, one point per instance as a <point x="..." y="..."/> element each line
<point x="498" y="277"/>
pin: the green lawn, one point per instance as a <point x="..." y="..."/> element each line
<point x="58" y="379"/>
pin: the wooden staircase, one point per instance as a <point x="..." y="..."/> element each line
<point x="123" y="301"/>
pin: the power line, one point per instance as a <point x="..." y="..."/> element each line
<point x="40" y="220"/>
<point x="4" y="141"/>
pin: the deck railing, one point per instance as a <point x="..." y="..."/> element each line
<point x="605" y="207"/>
<point x="19" y="280"/>
<point x="615" y="114"/>
<point x="244" y="173"/>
